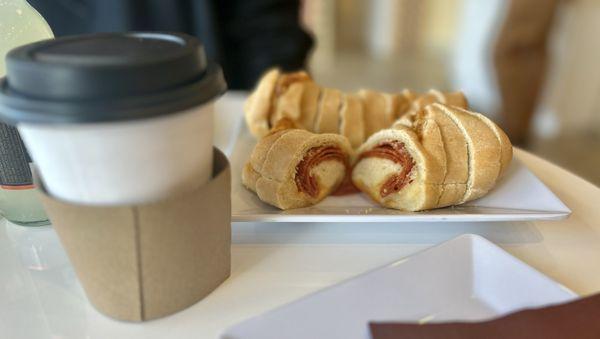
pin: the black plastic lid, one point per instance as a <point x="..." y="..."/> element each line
<point x="107" y="77"/>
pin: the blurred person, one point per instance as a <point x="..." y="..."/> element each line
<point x="501" y="58"/>
<point x="521" y="60"/>
<point x="245" y="37"/>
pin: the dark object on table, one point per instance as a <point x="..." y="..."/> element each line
<point x="577" y="319"/>
<point x="244" y="37"/>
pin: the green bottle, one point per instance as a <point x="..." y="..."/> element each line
<point x="20" y="24"/>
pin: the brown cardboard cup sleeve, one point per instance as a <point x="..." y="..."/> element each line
<point x="147" y="261"/>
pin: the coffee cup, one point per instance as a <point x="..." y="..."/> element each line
<point x="115" y="118"/>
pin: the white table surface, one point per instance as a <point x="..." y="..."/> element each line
<point x="272" y="264"/>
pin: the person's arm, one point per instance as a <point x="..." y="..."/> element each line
<point x="520" y="59"/>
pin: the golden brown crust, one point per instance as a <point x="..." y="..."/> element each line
<point x="432" y="96"/>
<point x="456" y="154"/>
<point x="457" y="99"/>
<point x="484" y="151"/>
<point x="263" y="109"/>
<point x="309" y="105"/>
<point x="262" y="148"/>
<point x="507" y="150"/>
<point x="249" y="177"/>
<point x="459" y="155"/>
<point x="505" y="144"/>
<point x="392" y="107"/>
<point x="409" y="95"/>
<point x="352" y="120"/>
<point x="404" y="102"/>
<point x="328" y="115"/>
<point x="430" y="136"/>
<point x="257" y="107"/>
<point x="285" y="80"/>
<point x="295" y="96"/>
<point x="370" y="173"/>
<point x="470" y="146"/>
<point x="288" y="104"/>
<point x="375" y="112"/>
<point x="272" y="168"/>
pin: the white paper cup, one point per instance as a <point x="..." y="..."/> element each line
<point x="124" y="162"/>
<point x="115" y="118"/>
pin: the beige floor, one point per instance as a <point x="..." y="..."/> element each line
<point x="578" y="153"/>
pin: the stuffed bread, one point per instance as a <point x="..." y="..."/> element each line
<point x="484" y="151"/>
<point x="449" y="156"/>
<point x="395" y="170"/>
<point x="352" y="122"/>
<point x="433" y="96"/>
<point x="263" y="104"/>
<point x="294" y="168"/>
<point x="328" y="112"/>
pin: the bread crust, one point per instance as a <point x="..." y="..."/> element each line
<point x="288" y="104"/>
<point x="456" y="154"/>
<point x="295" y="96"/>
<point x="505" y="144"/>
<point x="309" y="105"/>
<point x="458" y="157"/>
<point x="374" y="109"/>
<point x="483" y="151"/>
<point x="430" y="137"/>
<point x="424" y="189"/>
<point x="272" y="167"/>
<point x="392" y="102"/>
<point x="459" y="154"/>
<point x="257" y="107"/>
<point x="475" y="151"/>
<point x="457" y="99"/>
<point x="352" y="120"/>
<point x="431" y="97"/>
<point x="262" y="148"/>
<point x="328" y="115"/>
<point x="249" y="177"/>
<point x="404" y="102"/>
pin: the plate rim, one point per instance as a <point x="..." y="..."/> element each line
<point x="519" y="215"/>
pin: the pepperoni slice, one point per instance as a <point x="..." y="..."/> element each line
<point x="304" y="180"/>
<point x="396" y="152"/>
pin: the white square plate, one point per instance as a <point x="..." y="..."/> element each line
<point x="467" y="278"/>
<point x="519" y="196"/>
